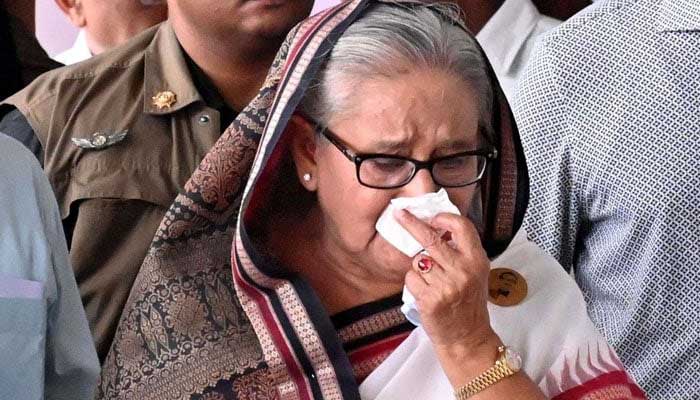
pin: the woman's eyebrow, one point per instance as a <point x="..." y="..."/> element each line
<point x="385" y="145"/>
<point x="395" y="146"/>
<point x="456" y="145"/>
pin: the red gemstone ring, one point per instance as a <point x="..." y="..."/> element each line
<point x="425" y="264"/>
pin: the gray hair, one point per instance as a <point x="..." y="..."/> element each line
<point x="390" y="39"/>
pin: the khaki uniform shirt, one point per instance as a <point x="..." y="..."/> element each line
<point x="116" y="196"/>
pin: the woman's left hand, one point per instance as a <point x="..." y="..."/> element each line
<point x="451" y="297"/>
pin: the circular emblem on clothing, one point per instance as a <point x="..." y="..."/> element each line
<point x="506" y="287"/>
<point x="164" y="99"/>
<point x="98" y="139"/>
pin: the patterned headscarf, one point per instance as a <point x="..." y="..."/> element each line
<point x="198" y="317"/>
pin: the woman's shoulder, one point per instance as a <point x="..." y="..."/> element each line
<point x="550" y="326"/>
<point x="551" y="314"/>
<point x="545" y="277"/>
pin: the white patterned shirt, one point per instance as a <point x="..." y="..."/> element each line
<point x="609" y="113"/>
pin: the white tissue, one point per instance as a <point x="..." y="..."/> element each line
<point x="408" y="308"/>
<point x="424" y="207"/>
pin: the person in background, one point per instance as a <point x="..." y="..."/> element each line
<point x="119" y="134"/>
<point x="561" y="9"/>
<point x="507" y="31"/>
<point x="105" y="24"/>
<point x="46" y="350"/>
<point x="22" y="57"/>
<point x="610" y="121"/>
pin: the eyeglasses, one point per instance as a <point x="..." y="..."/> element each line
<point x="383" y="171"/>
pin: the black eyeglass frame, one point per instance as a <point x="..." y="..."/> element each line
<point x="489" y="152"/>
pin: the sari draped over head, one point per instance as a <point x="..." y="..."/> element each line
<point x="212" y="316"/>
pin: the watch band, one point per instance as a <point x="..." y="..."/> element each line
<point x="495" y="373"/>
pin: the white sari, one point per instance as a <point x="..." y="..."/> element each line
<point x="561" y="349"/>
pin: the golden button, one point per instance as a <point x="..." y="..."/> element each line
<point x="164" y="99"/>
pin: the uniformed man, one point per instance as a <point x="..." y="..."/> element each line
<point x="119" y="134"/>
<point x="105" y="24"/>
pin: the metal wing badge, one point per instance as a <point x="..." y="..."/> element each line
<point x="100" y="140"/>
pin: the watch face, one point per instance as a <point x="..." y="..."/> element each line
<point x="513" y="359"/>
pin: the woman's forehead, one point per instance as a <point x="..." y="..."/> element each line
<point x="410" y="107"/>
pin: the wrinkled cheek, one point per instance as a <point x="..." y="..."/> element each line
<point x="360" y="225"/>
<point x="353" y="218"/>
<point x="346" y="231"/>
<point x="467" y="199"/>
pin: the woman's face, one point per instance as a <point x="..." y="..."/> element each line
<point x="423" y="115"/>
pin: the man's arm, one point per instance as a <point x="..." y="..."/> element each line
<point x="72" y="367"/>
<point x="16" y="126"/>
<point x="48" y="350"/>
<point x="553" y="216"/>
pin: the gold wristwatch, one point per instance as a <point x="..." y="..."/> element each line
<point x="507" y="364"/>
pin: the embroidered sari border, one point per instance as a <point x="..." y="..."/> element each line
<point x="614" y="385"/>
<point x="404" y="328"/>
<point x="267" y="326"/>
<point x="289" y="331"/>
<point x="305" y="325"/>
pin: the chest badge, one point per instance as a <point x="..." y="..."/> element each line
<point x="164" y="100"/>
<point x="100" y="140"/>
<point x="506" y="287"/>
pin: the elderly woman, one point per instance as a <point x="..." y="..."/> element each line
<point x="368" y="102"/>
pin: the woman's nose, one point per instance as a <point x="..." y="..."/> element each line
<point x="421" y="184"/>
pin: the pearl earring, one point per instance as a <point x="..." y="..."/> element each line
<point x="307" y="177"/>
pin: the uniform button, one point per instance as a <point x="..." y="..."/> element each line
<point x="204" y="119"/>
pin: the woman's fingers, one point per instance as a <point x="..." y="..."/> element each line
<point x="462" y="231"/>
<point x="427" y="236"/>
<point x="431" y="284"/>
<point x="449" y="284"/>
<point x="416" y="284"/>
<point x="430" y="270"/>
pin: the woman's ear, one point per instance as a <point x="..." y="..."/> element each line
<point x="74" y="11"/>
<point x="303" y="150"/>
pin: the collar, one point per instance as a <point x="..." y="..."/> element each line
<point x="76" y="53"/>
<point x="506" y="32"/>
<point x="205" y="87"/>
<point x="166" y="70"/>
<point x="678" y="15"/>
<point x="81" y="45"/>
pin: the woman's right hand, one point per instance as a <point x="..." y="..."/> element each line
<point x="451" y="296"/>
<point x="451" y="290"/>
